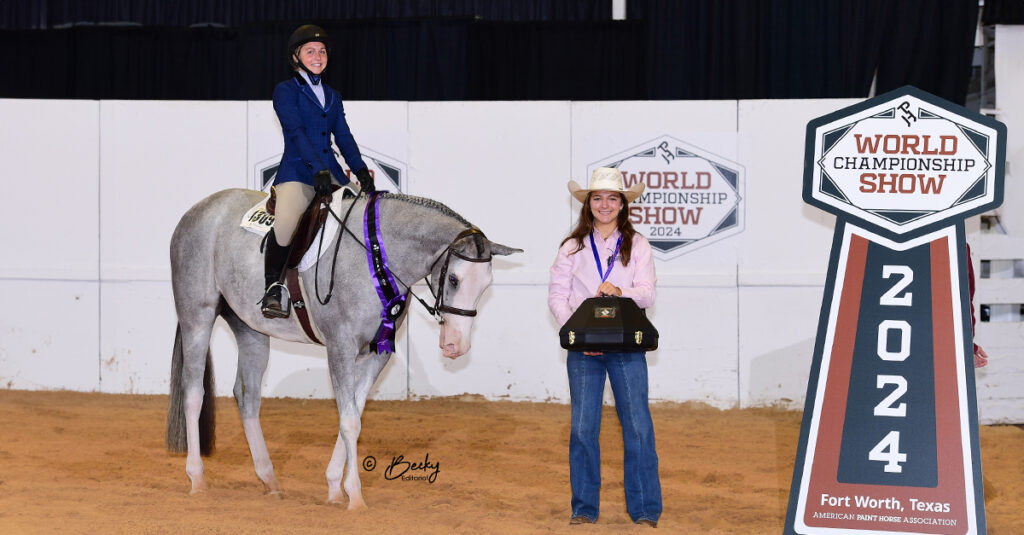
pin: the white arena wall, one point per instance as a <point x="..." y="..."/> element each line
<point x="98" y="186"/>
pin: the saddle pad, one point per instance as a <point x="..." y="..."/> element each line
<point x="258" y="221"/>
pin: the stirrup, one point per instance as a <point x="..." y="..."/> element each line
<point x="277" y="301"/>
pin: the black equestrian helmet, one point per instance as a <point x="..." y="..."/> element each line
<point x="306" y="33"/>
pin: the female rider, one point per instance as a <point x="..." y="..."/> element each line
<point x="310" y="112"/>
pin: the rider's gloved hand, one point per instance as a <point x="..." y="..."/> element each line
<point x="365" y="180"/>
<point x="322" y="183"/>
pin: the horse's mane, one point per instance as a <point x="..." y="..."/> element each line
<point x="427" y="203"/>
<point x="441" y="208"/>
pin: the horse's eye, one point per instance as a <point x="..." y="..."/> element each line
<point x="453" y="281"/>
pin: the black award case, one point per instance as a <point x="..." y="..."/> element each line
<point x="608" y="324"/>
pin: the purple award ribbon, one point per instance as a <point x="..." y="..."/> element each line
<point x="377" y="259"/>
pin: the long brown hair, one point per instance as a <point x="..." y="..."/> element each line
<point x="585" y="226"/>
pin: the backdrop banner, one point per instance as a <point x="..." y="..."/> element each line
<point x="889" y="441"/>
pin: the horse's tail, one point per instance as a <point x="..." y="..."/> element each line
<point x="176" y="430"/>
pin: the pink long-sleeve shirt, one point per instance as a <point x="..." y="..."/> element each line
<point x="574" y="277"/>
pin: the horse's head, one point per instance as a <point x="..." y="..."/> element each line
<point x="459" y="278"/>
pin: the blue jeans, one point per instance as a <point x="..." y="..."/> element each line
<point x="628" y="375"/>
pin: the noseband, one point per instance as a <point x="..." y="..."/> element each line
<point x="450" y="251"/>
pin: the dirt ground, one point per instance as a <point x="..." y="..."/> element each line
<point x="94" y="463"/>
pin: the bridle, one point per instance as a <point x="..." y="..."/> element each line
<point x="447" y="254"/>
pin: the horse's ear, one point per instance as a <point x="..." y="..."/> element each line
<point x="503" y="250"/>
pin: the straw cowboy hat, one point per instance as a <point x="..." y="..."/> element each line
<point x="606" y="179"/>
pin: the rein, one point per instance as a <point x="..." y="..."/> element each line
<point x="438" y="296"/>
<point x="337" y="245"/>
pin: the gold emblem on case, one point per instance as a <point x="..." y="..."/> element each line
<point x="638" y="336"/>
<point x="572" y="337"/>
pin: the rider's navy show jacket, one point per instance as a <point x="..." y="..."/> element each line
<point x="307" y="127"/>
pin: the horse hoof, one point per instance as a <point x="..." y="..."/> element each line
<point x="275" y="494"/>
<point x="356" y="506"/>
<point x="272" y="486"/>
<point x="198" y="486"/>
<point x="197" y="491"/>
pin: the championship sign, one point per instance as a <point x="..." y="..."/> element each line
<point x="889" y="441"/>
<point x="692" y="197"/>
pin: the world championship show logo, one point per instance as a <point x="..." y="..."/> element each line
<point x="889" y="439"/>
<point x="902" y="167"/>
<point x="692" y="197"/>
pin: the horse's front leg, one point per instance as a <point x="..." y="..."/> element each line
<point x="335" y="471"/>
<point x="352" y="381"/>
<point x="345" y="458"/>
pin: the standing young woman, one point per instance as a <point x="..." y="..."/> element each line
<point x="310" y="112"/>
<point x="621" y="265"/>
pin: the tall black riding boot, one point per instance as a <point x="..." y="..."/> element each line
<point x="276" y="301"/>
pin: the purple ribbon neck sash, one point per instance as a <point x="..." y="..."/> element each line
<point x="392" y="302"/>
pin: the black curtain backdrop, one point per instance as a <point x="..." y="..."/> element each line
<point x="1003" y="12"/>
<point x="929" y="44"/>
<point x="529" y="50"/>
<point x="742" y="49"/>
<point x="45" y="14"/>
<point x="557" y="61"/>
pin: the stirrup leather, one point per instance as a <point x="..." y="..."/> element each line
<point x="277" y="301"/>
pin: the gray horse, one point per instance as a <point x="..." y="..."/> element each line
<point x="217" y="270"/>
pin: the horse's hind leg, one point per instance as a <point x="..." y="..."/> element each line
<point x="196" y="328"/>
<point x="253" y="355"/>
